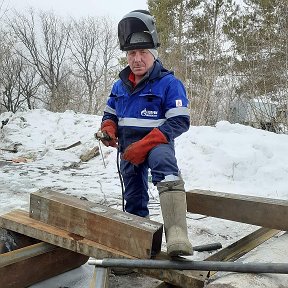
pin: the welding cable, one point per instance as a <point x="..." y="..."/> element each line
<point x="120" y="177"/>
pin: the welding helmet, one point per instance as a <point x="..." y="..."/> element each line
<point x="137" y="30"/>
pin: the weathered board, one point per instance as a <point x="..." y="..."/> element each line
<point x="100" y="278"/>
<point x="244" y="245"/>
<point x="19" y="221"/>
<point x="264" y="212"/>
<point x="28" y="265"/>
<point x="122" y="231"/>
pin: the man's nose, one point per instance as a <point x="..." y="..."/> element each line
<point x="137" y="57"/>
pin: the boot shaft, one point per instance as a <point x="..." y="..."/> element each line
<point x="173" y="206"/>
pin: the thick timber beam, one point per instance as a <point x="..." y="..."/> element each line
<point x="19" y="221"/>
<point x="130" y="234"/>
<point x="258" y="211"/>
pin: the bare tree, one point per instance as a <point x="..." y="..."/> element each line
<point x="10" y="71"/>
<point x="85" y="55"/>
<point x="29" y="83"/>
<point x="93" y="50"/>
<point x="110" y="53"/>
<point x="45" y="48"/>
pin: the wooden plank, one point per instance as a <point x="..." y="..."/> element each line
<point x="264" y="212"/>
<point x="244" y="245"/>
<point x="100" y="278"/>
<point x="130" y="234"/>
<point x="19" y="221"/>
<point x="24" y="271"/>
<point x="25" y="253"/>
<point x="69" y="147"/>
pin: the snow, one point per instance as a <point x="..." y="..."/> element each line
<point x="228" y="158"/>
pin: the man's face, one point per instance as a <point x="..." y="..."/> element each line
<point x="140" y="61"/>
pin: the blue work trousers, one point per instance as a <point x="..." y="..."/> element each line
<point x="162" y="162"/>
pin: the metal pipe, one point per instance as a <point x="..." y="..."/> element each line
<point x="208" y="247"/>
<point x="281" y="268"/>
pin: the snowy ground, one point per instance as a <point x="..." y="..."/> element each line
<point x="228" y="158"/>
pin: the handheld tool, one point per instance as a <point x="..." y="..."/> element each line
<point x="100" y="136"/>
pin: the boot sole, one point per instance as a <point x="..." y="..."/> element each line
<point x="183" y="251"/>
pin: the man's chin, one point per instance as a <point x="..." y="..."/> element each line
<point x="139" y="72"/>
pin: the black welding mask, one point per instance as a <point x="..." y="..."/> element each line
<point x="137" y="30"/>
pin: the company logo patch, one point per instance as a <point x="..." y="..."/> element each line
<point x="178" y="103"/>
<point x="147" y="113"/>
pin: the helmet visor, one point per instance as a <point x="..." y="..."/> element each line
<point x="137" y="22"/>
<point x="126" y="28"/>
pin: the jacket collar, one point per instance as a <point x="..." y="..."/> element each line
<point x="157" y="71"/>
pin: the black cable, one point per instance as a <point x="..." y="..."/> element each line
<point x="120" y="177"/>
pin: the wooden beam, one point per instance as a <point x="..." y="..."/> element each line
<point x="29" y="265"/>
<point x="19" y="221"/>
<point x="25" y="253"/>
<point x="264" y="212"/>
<point x="244" y="245"/>
<point x="130" y="234"/>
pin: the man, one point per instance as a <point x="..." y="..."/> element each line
<point x="147" y="109"/>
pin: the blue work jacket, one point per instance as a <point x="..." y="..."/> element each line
<point x="158" y="100"/>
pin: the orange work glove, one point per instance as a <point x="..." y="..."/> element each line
<point x="136" y="153"/>
<point x="109" y="128"/>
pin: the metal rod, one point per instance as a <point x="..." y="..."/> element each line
<point x="281" y="268"/>
<point x="101" y="152"/>
<point x="208" y="247"/>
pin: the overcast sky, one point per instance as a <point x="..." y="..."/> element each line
<point x="115" y="9"/>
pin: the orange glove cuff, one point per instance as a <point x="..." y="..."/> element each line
<point x="110" y="128"/>
<point x="136" y="153"/>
